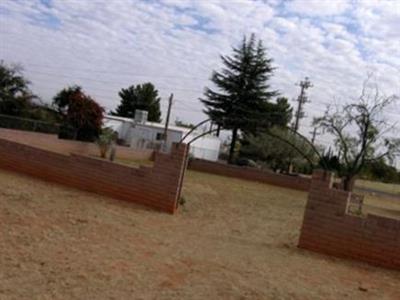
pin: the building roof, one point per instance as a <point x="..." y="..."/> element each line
<point x="162" y="126"/>
<point x="148" y="124"/>
<point x="122" y="119"/>
<point x="175" y="128"/>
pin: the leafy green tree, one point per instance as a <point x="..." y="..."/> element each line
<point x="331" y="163"/>
<point x="279" y="116"/>
<point x="241" y="101"/>
<point x="279" y="113"/>
<point x="44" y="112"/>
<point x="277" y="148"/>
<point x="62" y="100"/>
<point x="82" y="116"/>
<point x="142" y="97"/>
<point x="15" y="95"/>
<point x="379" y="170"/>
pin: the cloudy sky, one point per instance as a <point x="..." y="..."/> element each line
<point x="110" y="44"/>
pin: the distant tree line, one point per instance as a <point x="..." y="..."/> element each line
<point x="76" y="113"/>
<point x="244" y="102"/>
<point x="16" y="98"/>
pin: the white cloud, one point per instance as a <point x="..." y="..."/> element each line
<point x="379" y="19"/>
<point x="318" y="7"/>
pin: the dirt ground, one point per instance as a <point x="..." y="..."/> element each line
<point x="232" y="240"/>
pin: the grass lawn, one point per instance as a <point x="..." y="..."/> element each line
<point x="136" y="163"/>
<point x="379" y="186"/>
<point x="233" y="239"/>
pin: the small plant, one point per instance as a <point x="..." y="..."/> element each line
<point x="105" y="140"/>
<point x="182" y="200"/>
<point x="191" y="157"/>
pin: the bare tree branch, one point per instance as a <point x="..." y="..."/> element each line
<point x="360" y="128"/>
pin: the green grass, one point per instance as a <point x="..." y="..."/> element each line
<point x="379" y="186"/>
<point x="134" y="162"/>
<point x="129" y="162"/>
<point x="218" y="189"/>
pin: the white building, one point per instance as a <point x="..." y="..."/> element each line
<point x="141" y="134"/>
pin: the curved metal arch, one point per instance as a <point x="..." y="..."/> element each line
<point x="203" y="134"/>
<point x="193" y="129"/>
<point x="322" y="159"/>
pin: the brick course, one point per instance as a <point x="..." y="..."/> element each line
<point x="292" y="182"/>
<point x="329" y="227"/>
<point x="158" y="186"/>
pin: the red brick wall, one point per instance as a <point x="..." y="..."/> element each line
<point x="52" y="143"/>
<point x="157" y="186"/>
<point x="292" y="182"/>
<point x="329" y="228"/>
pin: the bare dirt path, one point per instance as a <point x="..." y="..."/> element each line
<point x="233" y="240"/>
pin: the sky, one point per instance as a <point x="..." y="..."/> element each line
<point x="108" y="45"/>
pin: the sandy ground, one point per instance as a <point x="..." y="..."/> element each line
<point x="232" y="240"/>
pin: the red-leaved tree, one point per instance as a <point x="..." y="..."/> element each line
<point x="82" y="116"/>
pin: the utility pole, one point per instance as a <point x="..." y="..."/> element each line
<point x="167" y="121"/>
<point x="314" y="135"/>
<point x="302" y="99"/>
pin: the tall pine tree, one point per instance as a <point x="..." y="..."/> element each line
<point x="142" y="97"/>
<point x="243" y="92"/>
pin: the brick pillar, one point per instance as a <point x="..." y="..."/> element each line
<point x="172" y="169"/>
<point x="322" y="178"/>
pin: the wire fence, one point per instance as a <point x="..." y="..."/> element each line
<point x="12" y="122"/>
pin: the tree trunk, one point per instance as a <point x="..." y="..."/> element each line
<point x="348" y="182"/>
<point x="75" y="134"/>
<point x="232" y="147"/>
<point x="218" y="130"/>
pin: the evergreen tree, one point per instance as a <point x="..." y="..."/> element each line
<point x="242" y="100"/>
<point x="142" y="97"/>
<point x="279" y="113"/>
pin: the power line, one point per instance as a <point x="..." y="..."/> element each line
<point x="187" y="107"/>
<point x="190" y="108"/>
<point x="179" y="102"/>
<point x="108" y="81"/>
<point x="123" y="73"/>
<point x="120" y="73"/>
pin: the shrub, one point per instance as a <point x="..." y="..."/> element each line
<point x="105" y="140"/>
